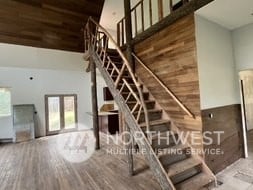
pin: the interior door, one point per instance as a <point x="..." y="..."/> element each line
<point x="246" y="84"/>
<point x="61" y="113"/>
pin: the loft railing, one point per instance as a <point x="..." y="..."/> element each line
<point x="97" y="38"/>
<point x="173" y="96"/>
<point x="145" y="14"/>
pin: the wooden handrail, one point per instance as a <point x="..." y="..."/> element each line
<point x="127" y="64"/>
<point x="173" y="96"/>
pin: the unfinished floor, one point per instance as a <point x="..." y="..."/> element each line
<point x="37" y="165"/>
<point x="239" y="176"/>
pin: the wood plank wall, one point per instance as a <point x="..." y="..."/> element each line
<point x="54" y="24"/>
<point x="171" y="55"/>
<point x="227" y="119"/>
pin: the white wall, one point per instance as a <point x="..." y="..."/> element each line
<point x="54" y="72"/>
<point x="243" y="47"/>
<point x="218" y="80"/>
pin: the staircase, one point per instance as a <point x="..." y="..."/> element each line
<point x="171" y="162"/>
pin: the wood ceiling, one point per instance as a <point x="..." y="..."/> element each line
<point x="54" y="24"/>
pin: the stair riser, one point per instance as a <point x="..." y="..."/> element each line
<point x="186" y="175"/>
<point x="114" y="54"/>
<point x="116" y="73"/>
<point x="158" y="128"/>
<point x="152" y="116"/>
<point x="171" y="159"/>
<point x="163" y="142"/>
<point x="150" y="105"/>
<point x="133" y="87"/>
<point x="115" y="59"/>
<point x="117" y="64"/>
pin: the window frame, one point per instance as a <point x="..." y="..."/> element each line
<point x="62" y="114"/>
<point x="10" y="103"/>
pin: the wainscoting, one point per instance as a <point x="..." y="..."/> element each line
<point x="250" y="143"/>
<point x="227" y="119"/>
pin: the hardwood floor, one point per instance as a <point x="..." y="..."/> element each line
<point x="38" y="165"/>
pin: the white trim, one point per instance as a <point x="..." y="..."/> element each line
<point x="9" y="140"/>
<point x="244" y="131"/>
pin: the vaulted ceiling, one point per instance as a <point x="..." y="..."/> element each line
<point x="54" y="24"/>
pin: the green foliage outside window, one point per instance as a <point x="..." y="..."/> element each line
<point x="5" y="102"/>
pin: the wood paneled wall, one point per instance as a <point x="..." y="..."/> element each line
<point x="55" y="24"/>
<point x="227" y="119"/>
<point x="171" y="55"/>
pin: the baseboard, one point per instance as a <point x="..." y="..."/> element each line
<point x="10" y="140"/>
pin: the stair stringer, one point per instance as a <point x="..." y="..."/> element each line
<point x="176" y="130"/>
<point x="151" y="158"/>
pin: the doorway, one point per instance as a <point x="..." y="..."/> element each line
<point x="246" y="84"/>
<point x="61" y="113"/>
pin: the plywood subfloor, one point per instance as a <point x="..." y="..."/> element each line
<point x="38" y="165"/>
<point x="239" y="176"/>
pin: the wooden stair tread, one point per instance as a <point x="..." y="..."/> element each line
<point x="115" y="76"/>
<point x="155" y="122"/>
<point x="146" y="101"/>
<point x="110" y="69"/>
<point x="115" y="62"/>
<point x="163" y="134"/>
<point x="171" y="150"/>
<point x="182" y="166"/>
<point x="150" y="111"/>
<point x="131" y="84"/>
<point x="126" y="93"/>
<point x="196" y="182"/>
<point x="115" y="57"/>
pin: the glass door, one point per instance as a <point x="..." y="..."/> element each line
<point x="61" y="113"/>
<point x="70" y="112"/>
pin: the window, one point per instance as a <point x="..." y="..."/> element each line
<point x="5" y="102"/>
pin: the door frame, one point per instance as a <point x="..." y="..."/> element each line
<point x="242" y="76"/>
<point x="62" y="121"/>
